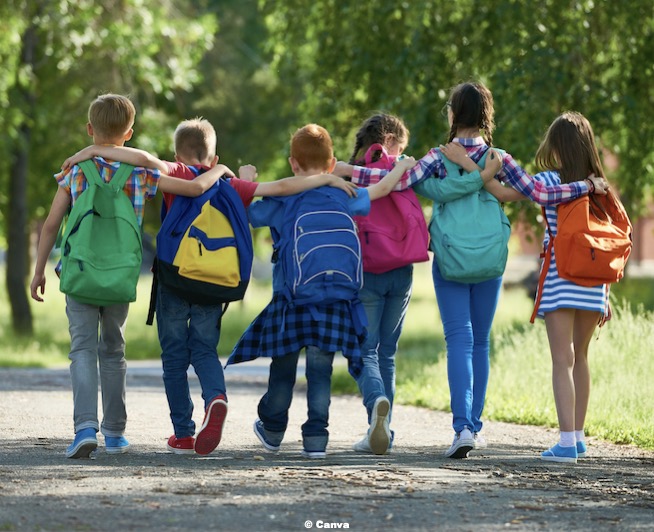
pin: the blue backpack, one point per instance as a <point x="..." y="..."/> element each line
<point x="470" y="234"/>
<point x="319" y="248"/>
<point x="204" y="247"/>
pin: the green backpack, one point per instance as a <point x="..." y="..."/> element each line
<point x="470" y="234"/>
<point x="101" y="248"/>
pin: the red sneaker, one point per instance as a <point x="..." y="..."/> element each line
<point x="181" y="445"/>
<point x="211" y="430"/>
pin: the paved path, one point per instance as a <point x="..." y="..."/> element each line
<point x="241" y="487"/>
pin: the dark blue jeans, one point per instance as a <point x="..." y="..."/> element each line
<point x="274" y="405"/>
<point x="188" y="335"/>
<point x="467" y="312"/>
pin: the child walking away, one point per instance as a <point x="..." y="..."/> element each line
<point x="95" y="297"/>
<point x="316" y="279"/>
<point x="467" y="308"/>
<point x="572" y="310"/>
<point x="466" y="378"/>
<point x="393" y="236"/>
<point x="188" y="310"/>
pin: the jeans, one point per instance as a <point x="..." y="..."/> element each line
<point x="188" y="335"/>
<point x="274" y="405"/>
<point x="385" y="297"/>
<point x="87" y="350"/>
<point x="467" y="312"/>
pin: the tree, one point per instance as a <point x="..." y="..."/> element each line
<point x="538" y="59"/>
<point x="59" y="55"/>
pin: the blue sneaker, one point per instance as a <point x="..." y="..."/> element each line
<point x="116" y="445"/>
<point x="260" y="432"/>
<point x="560" y="454"/>
<point x="581" y="449"/>
<point x="83" y="445"/>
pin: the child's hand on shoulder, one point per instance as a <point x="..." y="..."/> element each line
<point x="405" y="163"/>
<point x="248" y="172"/>
<point x="455" y="152"/>
<point x="493" y="161"/>
<point x="82" y="155"/>
<point x="338" y="182"/>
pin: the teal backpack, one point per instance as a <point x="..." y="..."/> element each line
<point x="469" y="235"/>
<point x="101" y="248"/>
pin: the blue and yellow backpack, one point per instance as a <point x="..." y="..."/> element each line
<point x="204" y="247"/>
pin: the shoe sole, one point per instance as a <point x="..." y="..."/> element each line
<point x="175" y="450"/>
<point x="461" y="451"/>
<point x="559" y="459"/>
<point x="581" y="455"/>
<point x="83" y="449"/>
<point x="379" y="436"/>
<point x="266" y="445"/>
<point x="211" y="430"/>
<point x="117" y="450"/>
<point x="314" y="455"/>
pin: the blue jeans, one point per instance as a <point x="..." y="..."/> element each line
<point x="467" y="312"/>
<point x="88" y="351"/>
<point x="188" y="335"/>
<point x="385" y="297"/>
<point x="274" y="405"/>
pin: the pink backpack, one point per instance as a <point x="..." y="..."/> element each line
<point x="394" y="234"/>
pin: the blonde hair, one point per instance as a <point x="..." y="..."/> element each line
<point x="111" y="115"/>
<point x="195" y="139"/>
<point x="312" y="148"/>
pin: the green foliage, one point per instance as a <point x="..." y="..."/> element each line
<point x="538" y="59"/>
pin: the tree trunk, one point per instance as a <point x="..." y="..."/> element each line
<point x="18" y="263"/>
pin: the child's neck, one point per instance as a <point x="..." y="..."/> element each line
<point x="311" y="171"/>
<point x="468" y="133"/>
<point x="99" y="141"/>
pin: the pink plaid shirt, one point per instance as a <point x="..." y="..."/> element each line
<point x="140" y="186"/>
<point x="511" y="173"/>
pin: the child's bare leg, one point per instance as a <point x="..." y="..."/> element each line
<point x="560" y="324"/>
<point x="584" y="327"/>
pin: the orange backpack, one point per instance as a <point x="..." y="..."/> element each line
<point x="591" y="246"/>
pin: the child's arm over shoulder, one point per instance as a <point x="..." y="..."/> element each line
<point x="388" y="182"/>
<point x="194" y="187"/>
<point x="58" y="209"/>
<point x="297" y="184"/>
<point x="124" y="154"/>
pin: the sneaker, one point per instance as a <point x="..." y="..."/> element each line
<point x="181" y="445"/>
<point x="260" y="431"/>
<point x="211" y="430"/>
<point x="463" y="443"/>
<point x="560" y="454"/>
<point x="379" y="433"/>
<point x="581" y="449"/>
<point x="480" y="441"/>
<point x="314" y="455"/>
<point x="115" y="445"/>
<point x="363" y="446"/>
<point x="83" y="445"/>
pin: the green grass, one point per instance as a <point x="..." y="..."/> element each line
<point x="520" y="388"/>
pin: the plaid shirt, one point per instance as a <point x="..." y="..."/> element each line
<point x="511" y="173"/>
<point x="140" y="186"/>
<point x="283" y="329"/>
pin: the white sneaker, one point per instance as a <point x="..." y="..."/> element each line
<point x="463" y="443"/>
<point x="314" y="455"/>
<point x="480" y="441"/>
<point x="362" y="446"/>
<point x="379" y="434"/>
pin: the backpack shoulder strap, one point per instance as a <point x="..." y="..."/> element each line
<point x="547" y="259"/>
<point x="121" y="176"/>
<point x="91" y="172"/>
